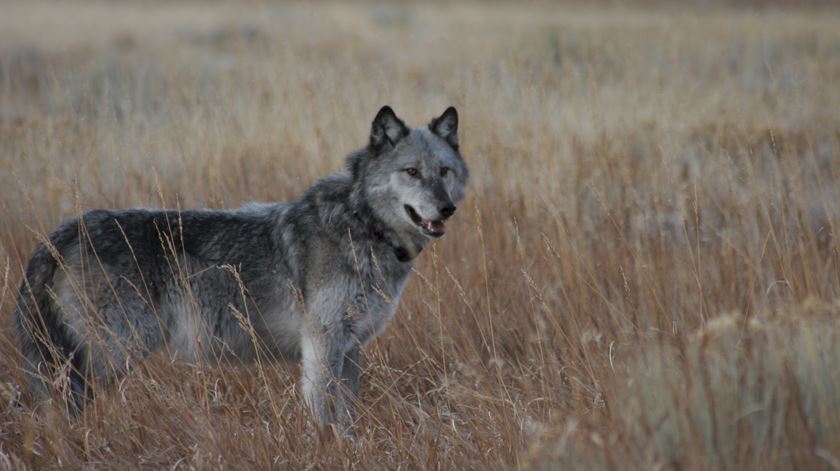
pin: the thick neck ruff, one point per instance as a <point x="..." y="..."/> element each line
<point x="366" y="221"/>
<point x="342" y="206"/>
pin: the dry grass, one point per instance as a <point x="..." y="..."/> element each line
<point x="758" y="393"/>
<point x="637" y="175"/>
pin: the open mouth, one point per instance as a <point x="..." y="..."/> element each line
<point x="430" y="228"/>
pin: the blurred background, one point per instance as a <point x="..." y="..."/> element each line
<point x="644" y="275"/>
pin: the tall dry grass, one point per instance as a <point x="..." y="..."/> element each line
<point x="632" y="281"/>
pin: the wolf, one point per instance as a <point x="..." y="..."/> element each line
<point x="311" y="280"/>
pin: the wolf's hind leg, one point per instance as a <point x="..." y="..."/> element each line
<point x="112" y="355"/>
<point x="35" y="370"/>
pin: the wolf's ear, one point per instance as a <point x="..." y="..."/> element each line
<point x="386" y="128"/>
<point x="446" y="126"/>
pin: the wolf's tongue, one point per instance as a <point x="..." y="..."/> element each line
<point x="437" y="226"/>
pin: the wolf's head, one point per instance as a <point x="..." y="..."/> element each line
<point x="412" y="178"/>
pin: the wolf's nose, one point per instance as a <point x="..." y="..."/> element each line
<point x="447" y="211"/>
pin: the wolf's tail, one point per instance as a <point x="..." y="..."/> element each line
<point x="43" y="337"/>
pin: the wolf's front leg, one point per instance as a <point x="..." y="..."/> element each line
<point x="322" y="358"/>
<point x="349" y="388"/>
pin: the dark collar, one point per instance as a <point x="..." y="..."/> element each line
<point x="383" y="234"/>
<point x="392" y="240"/>
<point x="402" y="253"/>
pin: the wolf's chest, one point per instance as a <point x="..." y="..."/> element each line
<point x="374" y="305"/>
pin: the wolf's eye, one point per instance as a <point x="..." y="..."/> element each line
<point x="411" y="171"/>
<point x="444" y="171"/>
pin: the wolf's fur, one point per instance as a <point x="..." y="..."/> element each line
<point x="309" y="280"/>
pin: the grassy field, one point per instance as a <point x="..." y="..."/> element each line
<point x="644" y="275"/>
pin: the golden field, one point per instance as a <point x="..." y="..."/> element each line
<point x="645" y="274"/>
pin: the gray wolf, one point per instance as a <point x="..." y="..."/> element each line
<point x="310" y="280"/>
